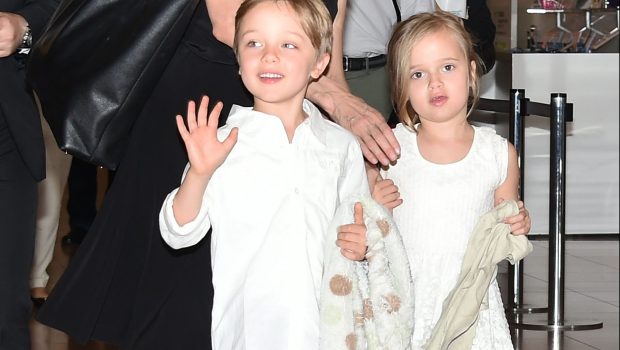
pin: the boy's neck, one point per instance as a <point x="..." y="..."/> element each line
<point x="290" y="112"/>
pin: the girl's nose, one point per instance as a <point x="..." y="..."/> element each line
<point x="435" y="81"/>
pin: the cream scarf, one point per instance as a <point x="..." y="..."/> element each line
<point x="367" y="304"/>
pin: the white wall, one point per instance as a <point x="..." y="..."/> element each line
<point x="591" y="84"/>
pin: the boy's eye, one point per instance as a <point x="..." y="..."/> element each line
<point x="253" y="43"/>
<point x="289" y="46"/>
<point x="417" y="75"/>
<point x="448" y="67"/>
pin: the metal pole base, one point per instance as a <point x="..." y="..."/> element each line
<point x="543" y="325"/>
<point x="555" y="340"/>
<point x="527" y="309"/>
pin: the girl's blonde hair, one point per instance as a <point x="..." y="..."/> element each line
<point x="314" y="16"/>
<point x="405" y="36"/>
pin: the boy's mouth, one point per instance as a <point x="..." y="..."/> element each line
<point x="271" y="76"/>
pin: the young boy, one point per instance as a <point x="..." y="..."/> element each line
<point x="268" y="183"/>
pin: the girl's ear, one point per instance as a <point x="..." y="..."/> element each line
<point x="320" y="66"/>
<point x="472" y="71"/>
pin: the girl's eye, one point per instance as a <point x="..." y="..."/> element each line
<point x="253" y="43"/>
<point x="289" y="46"/>
<point x="448" y="67"/>
<point x="417" y="75"/>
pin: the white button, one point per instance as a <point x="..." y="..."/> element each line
<point x="296" y="190"/>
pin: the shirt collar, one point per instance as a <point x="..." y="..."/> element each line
<point x="269" y="129"/>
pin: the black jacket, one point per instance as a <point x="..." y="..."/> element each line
<point x="17" y="108"/>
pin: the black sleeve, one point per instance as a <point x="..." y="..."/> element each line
<point x="481" y="26"/>
<point x="37" y="13"/>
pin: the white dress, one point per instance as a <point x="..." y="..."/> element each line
<point x="441" y="206"/>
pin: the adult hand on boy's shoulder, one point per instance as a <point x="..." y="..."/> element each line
<point x="352" y="237"/>
<point x="376" y="138"/>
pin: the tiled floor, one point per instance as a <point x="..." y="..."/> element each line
<point x="591" y="295"/>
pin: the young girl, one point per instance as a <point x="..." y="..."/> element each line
<point x="449" y="174"/>
<point x="268" y="183"/>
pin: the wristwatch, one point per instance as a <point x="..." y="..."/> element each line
<point x="26" y="44"/>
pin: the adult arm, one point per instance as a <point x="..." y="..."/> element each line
<point x="34" y="14"/>
<point x="332" y="94"/>
<point x="222" y="14"/>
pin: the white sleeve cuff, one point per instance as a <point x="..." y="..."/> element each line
<point x="177" y="236"/>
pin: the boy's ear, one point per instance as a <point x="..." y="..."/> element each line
<point x="320" y="65"/>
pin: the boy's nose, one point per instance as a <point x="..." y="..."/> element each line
<point x="270" y="55"/>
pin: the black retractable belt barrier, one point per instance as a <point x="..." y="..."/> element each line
<point x="559" y="112"/>
<point x="517" y="109"/>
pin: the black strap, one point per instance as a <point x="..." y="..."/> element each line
<point x="398" y="18"/>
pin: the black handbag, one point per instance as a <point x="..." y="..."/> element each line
<point x="95" y="66"/>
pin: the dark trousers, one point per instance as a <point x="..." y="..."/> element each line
<point x="18" y="207"/>
<point x="82" y="202"/>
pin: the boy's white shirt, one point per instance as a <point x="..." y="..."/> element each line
<point x="270" y="204"/>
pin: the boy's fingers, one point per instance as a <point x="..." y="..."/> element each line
<point x="182" y="128"/>
<point x="349" y="237"/>
<point x="191" y="116"/>
<point x="358" y="213"/>
<point x="350" y="255"/>
<point x="202" y="111"/>
<point x="231" y="139"/>
<point x="355" y="252"/>
<point x="214" y="117"/>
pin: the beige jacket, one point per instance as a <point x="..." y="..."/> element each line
<point x="490" y="243"/>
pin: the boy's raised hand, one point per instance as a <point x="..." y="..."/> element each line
<point x="206" y="153"/>
<point x="352" y="237"/>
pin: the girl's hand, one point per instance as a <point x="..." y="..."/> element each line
<point x="206" y="153"/>
<point x="521" y="223"/>
<point x="386" y="193"/>
<point x="352" y="237"/>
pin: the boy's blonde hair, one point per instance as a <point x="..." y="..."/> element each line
<point x="405" y="36"/>
<point x="313" y="15"/>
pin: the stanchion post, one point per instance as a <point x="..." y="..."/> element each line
<point x="516" y="135"/>
<point x="557" y="205"/>
<point x="557" y="230"/>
